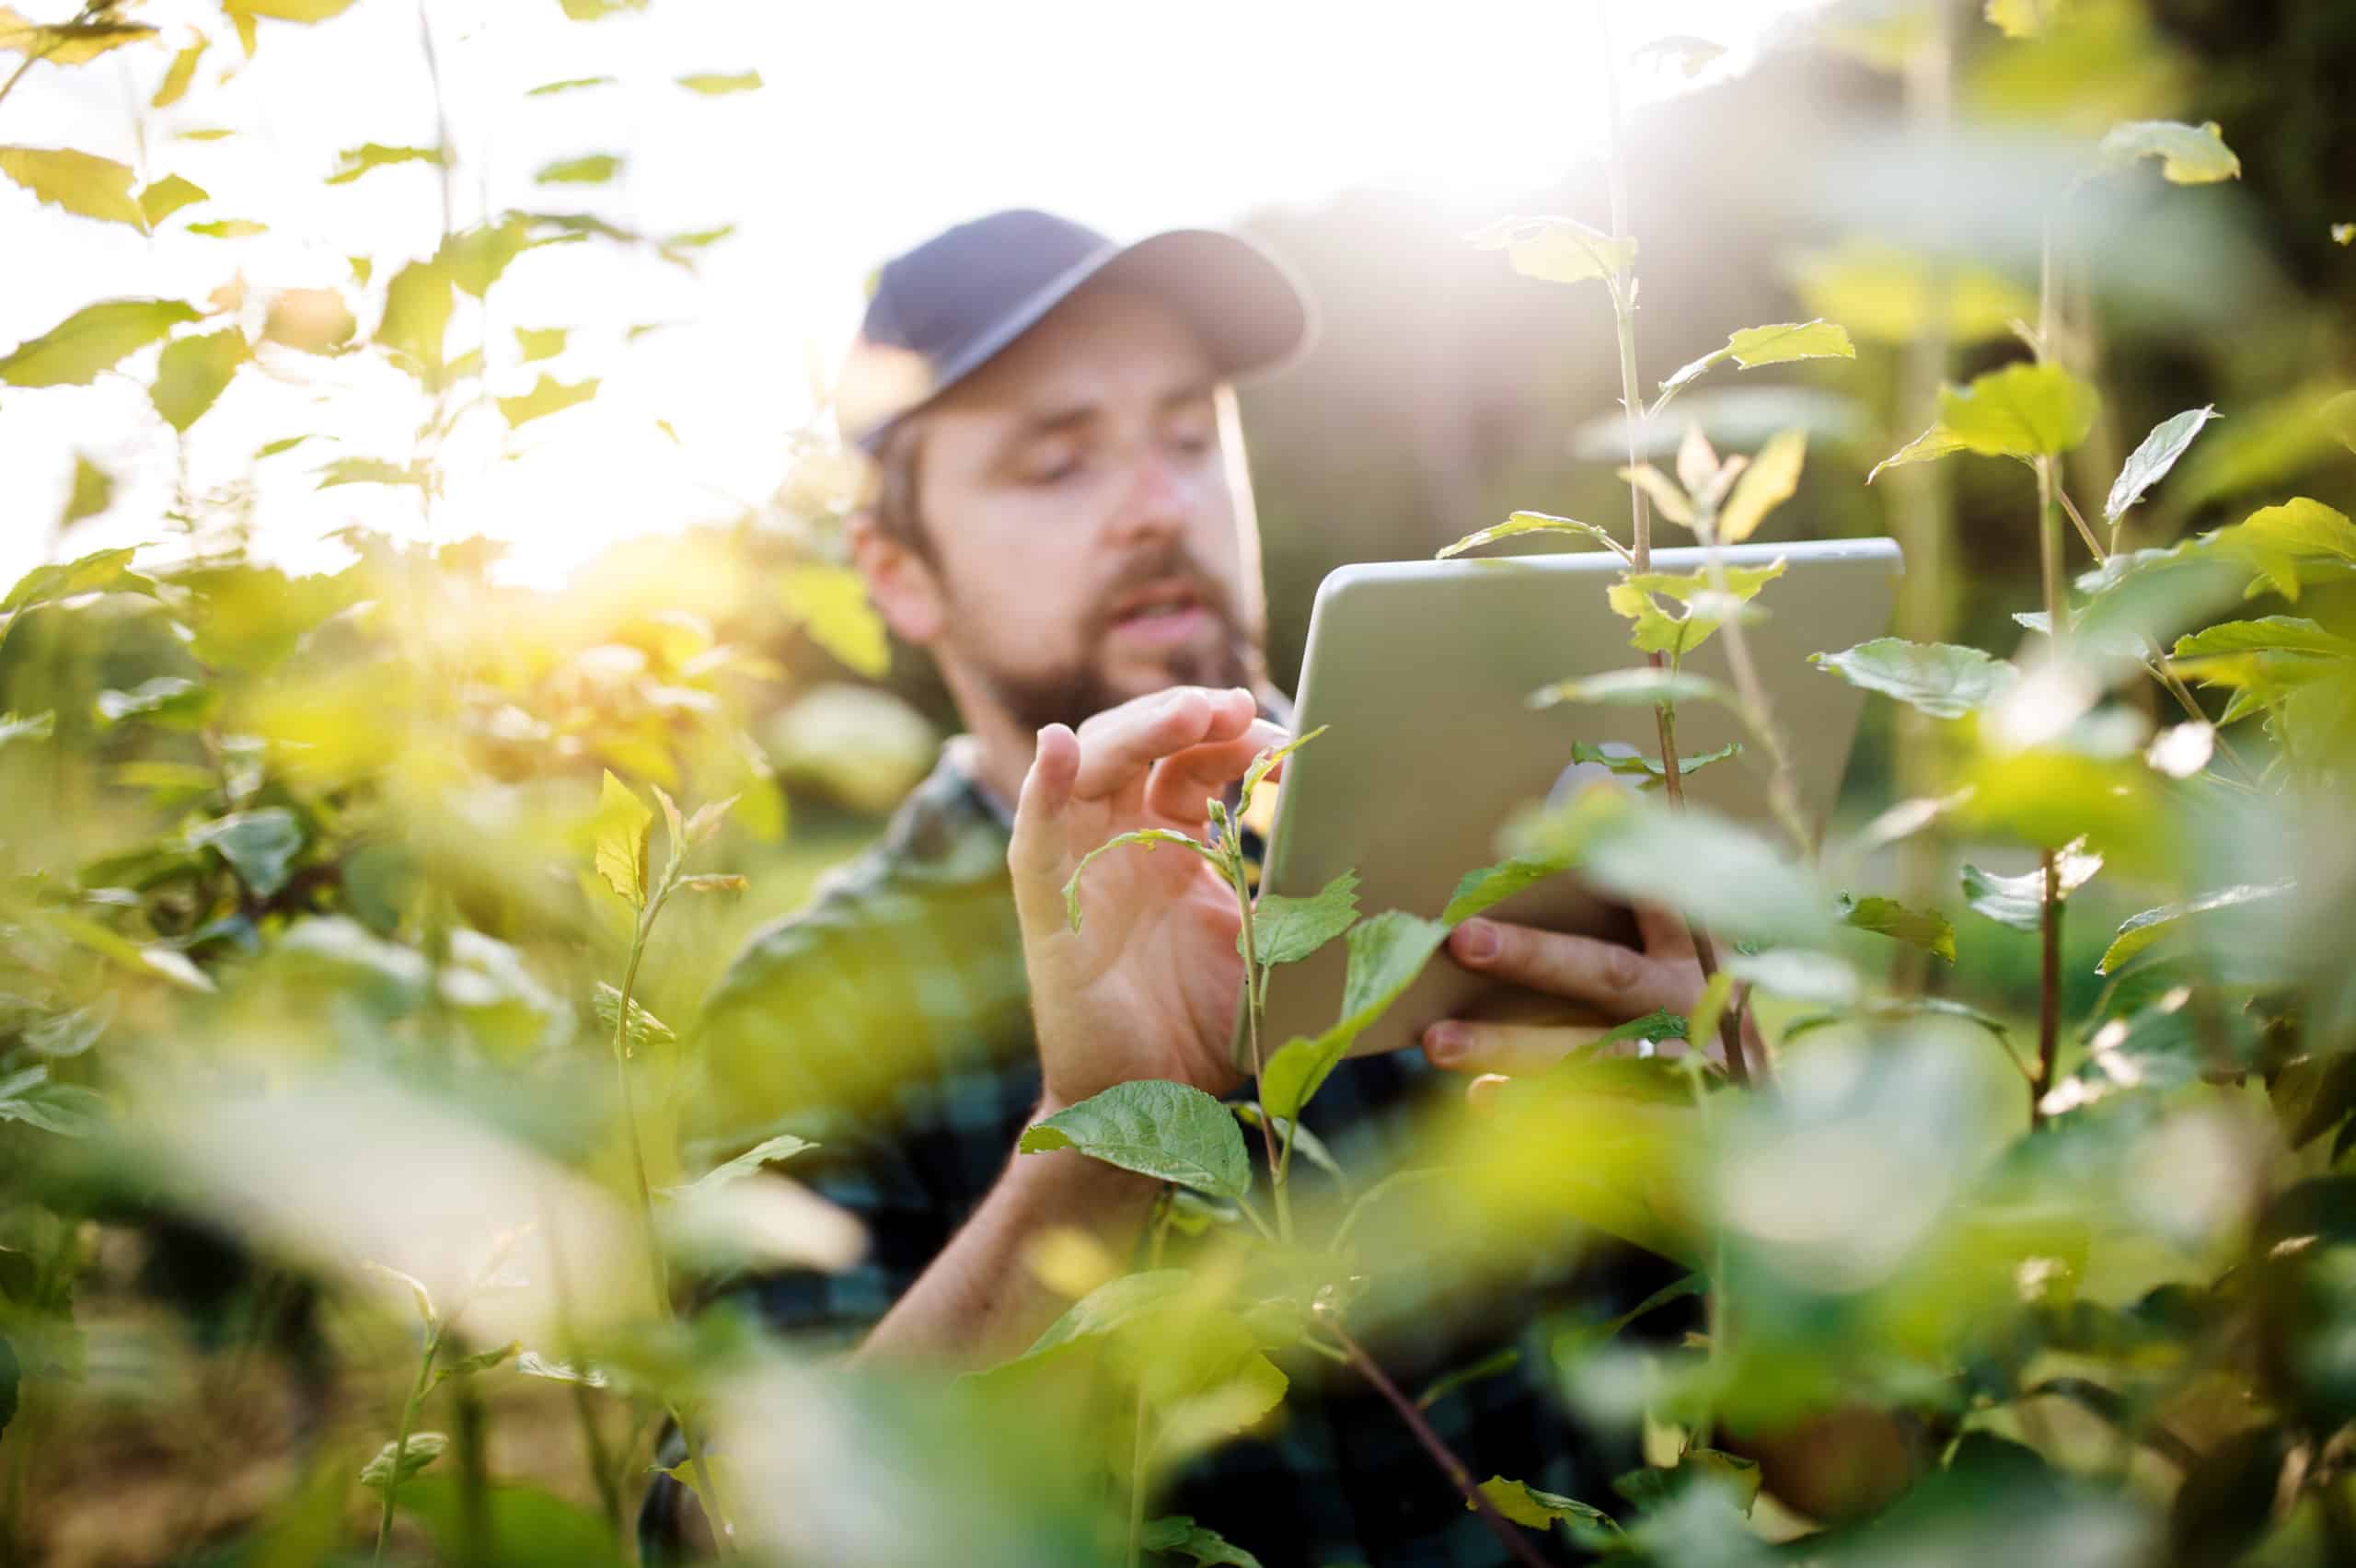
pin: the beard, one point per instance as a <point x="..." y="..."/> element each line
<point x="1080" y="688"/>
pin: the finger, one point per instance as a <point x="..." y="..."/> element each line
<point x="1181" y="784"/>
<point x="1516" y="1050"/>
<point x="1118" y="745"/>
<point x="1621" y="981"/>
<point x="1664" y="932"/>
<point x="1038" y="850"/>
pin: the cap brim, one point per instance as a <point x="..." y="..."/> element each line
<point x="1251" y="313"/>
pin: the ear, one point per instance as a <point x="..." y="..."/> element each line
<point x="901" y="583"/>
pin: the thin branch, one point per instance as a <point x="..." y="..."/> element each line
<point x="2048" y="1008"/>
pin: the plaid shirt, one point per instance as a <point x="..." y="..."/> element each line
<point x="900" y="989"/>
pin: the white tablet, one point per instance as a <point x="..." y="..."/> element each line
<point x="1421" y="672"/>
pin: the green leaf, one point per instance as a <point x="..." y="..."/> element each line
<point x="74" y="42"/>
<point x="569" y="84"/>
<point x="482" y="1361"/>
<point x="1670" y="501"/>
<point x="1287" y="930"/>
<point x="829" y="604"/>
<point x="2150" y="461"/>
<point x="418" y="305"/>
<point x="1657" y="631"/>
<point x="259" y="846"/>
<point x="2189" y="154"/>
<point x="1713" y="870"/>
<point x="67" y="1110"/>
<point x="229" y="228"/>
<point x="1387" y="951"/>
<point x="93" y="339"/>
<point x="354" y="162"/>
<point x="1169" y="1131"/>
<point x="1557" y="250"/>
<point x="1486" y="886"/>
<point x="82" y="183"/>
<point x="92" y="493"/>
<point x="1801" y="976"/>
<point x="1530" y="523"/>
<point x="174" y="702"/>
<point x="1754" y="346"/>
<point x="1928" y="447"/>
<point x="1265" y="763"/>
<point x="1772" y="479"/>
<point x="2289" y="633"/>
<point x="1649" y="1488"/>
<point x="2141" y="931"/>
<point x="1206" y="1548"/>
<point x="645" y="1030"/>
<point x="769" y="1151"/>
<point x="368" y="471"/>
<point x="2273" y="540"/>
<point x="70" y="1033"/>
<point x="1945" y="680"/>
<point x="712" y="84"/>
<point x="100" y="571"/>
<point x="532" y="1363"/>
<point x="421" y="1449"/>
<point x="193" y="372"/>
<point x="1147" y="838"/>
<point x="549" y="395"/>
<point x="2020" y="901"/>
<point x="1648" y="771"/>
<point x="593" y="168"/>
<point x="1653" y="1028"/>
<point x="2023" y="410"/>
<point x="29" y="727"/>
<point x="1525" y="1504"/>
<point x="168" y="196"/>
<point x="1927" y="929"/>
<point x="1497" y="1363"/>
<point x="474" y="258"/>
<point x="518" y="1526"/>
<point x="622" y="827"/>
<point x="1639" y="686"/>
<point x="541" y="342"/>
<point x="178" y="76"/>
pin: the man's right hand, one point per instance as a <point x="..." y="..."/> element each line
<point x="1147" y="988"/>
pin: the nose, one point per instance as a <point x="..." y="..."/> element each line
<point x="1158" y="499"/>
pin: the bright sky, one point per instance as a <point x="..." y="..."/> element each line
<point x="878" y="126"/>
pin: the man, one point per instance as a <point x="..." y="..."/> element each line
<point x="1062" y="520"/>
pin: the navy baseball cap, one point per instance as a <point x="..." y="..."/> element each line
<point x="945" y="309"/>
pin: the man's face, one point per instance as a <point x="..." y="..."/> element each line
<point x="1082" y="529"/>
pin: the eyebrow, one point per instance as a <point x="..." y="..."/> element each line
<point x="1056" y="420"/>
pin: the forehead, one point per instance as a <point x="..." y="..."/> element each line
<point x="1101" y="346"/>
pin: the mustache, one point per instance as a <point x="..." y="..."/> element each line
<point x="1169" y="563"/>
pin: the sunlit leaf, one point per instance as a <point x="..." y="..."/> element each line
<point x="1718" y="872"/>
<point x="1636" y="598"/>
<point x="28" y="1098"/>
<point x="1928" y="447"/>
<point x="569" y="84"/>
<point x="1924" y="929"/>
<point x="1639" y="686"/>
<point x="93" y="490"/>
<point x="194" y="372"/>
<point x="168" y="196"/>
<point x="1649" y="772"/>
<point x="2274" y="539"/>
<point x="2020" y="901"/>
<point x="2023" y="410"/>
<point x="548" y="396"/>
<point x="417" y="303"/>
<point x="1145" y="838"/>
<point x="259" y="846"/>
<point x="1387" y="951"/>
<point x="1662" y="491"/>
<point x="1286" y="931"/>
<point x="1526" y="1505"/>
<point x="1942" y="679"/>
<point x="596" y="10"/>
<point x="73" y="42"/>
<point x="541" y="342"/>
<point x="712" y="84"/>
<point x="1772" y="479"/>
<point x="229" y="228"/>
<point x="1169" y="1131"/>
<point x="296" y="10"/>
<point x="2288" y="633"/>
<point x="316" y="321"/>
<point x="172" y="702"/>
<point x="1269" y="761"/>
<point x="1557" y="250"/>
<point x="354" y="162"/>
<point x="830" y="605"/>
<point x="769" y="1151"/>
<point x="1753" y="346"/>
<point x="2140" y="931"/>
<point x="1790" y="972"/>
<point x="592" y="168"/>
<point x="1486" y="886"/>
<point x="100" y="571"/>
<point x="622" y="827"/>
<point x="2189" y="154"/>
<point x="645" y="1030"/>
<point x="27" y="727"/>
<point x="80" y="182"/>
<point x="2151" y="460"/>
<point x="1885" y="294"/>
<point x="368" y="471"/>
<point x="180" y="74"/>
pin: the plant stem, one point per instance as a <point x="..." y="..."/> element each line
<point x="1517" y="1545"/>
<point x="2048" y="1008"/>
<point x="1161" y="1210"/>
<point x="1234" y="866"/>
<point x="401" y="1438"/>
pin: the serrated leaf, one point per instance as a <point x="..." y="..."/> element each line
<point x="2286" y="633"/>
<point x="541" y="342"/>
<point x="178" y="76"/>
<point x="769" y="1151"/>
<point x="259" y="846"/>
<point x="354" y="162"/>
<point x="1173" y="1132"/>
<point x="2140" y="931"/>
<point x="194" y="372"/>
<point x="1777" y="344"/>
<point x="397" y="1461"/>
<point x="82" y="183"/>
<point x="74" y="42"/>
<point x="1649" y="772"/>
<point x="2189" y="154"/>
<point x="712" y="84"/>
<point x="2273" y="540"/>
<point x="645" y="1029"/>
<point x="2023" y="410"/>
<point x="2151" y="460"/>
<point x="1147" y="838"/>
<point x="1924" y="929"/>
<point x="1639" y="686"/>
<point x="1387" y="951"/>
<point x="168" y="196"/>
<point x="2020" y="901"/>
<point x="1656" y="631"/>
<point x="1772" y="479"/>
<point x="1525" y="1504"/>
<point x="1557" y="250"/>
<point x="592" y="168"/>
<point x="1530" y="523"/>
<point x="1928" y="447"/>
<point x="830" y="605"/>
<point x="1945" y="680"/>
<point x="100" y="571"/>
<point x="1206" y="1547"/>
<point x="548" y="396"/>
<point x="1287" y="930"/>
<point x="92" y="491"/>
<point x="1486" y="886"/>
<point x="1265" y="763"/>
<point x="93" y="339"/>
<point x="622" y="827"/>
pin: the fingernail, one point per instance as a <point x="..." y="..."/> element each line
<point x="1444" y="1042"/>
<point x="1476" y="938"/>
